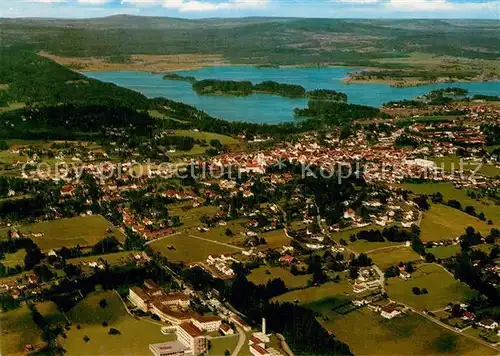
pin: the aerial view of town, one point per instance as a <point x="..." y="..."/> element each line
<point x="249" y="177"/>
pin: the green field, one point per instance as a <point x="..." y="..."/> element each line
<point x="207" y="136"/>
<point x="18" y="330"/>
<point x="452" y="250"/>
<point x="367" y="333"/>
<point x="442" y="222"/>
<point x="486" y="206"/>
<point x="136" y="334"/>
<point x="189" y="216"/>
<point x="220" y="345"/>
<point x="218" y="233"/>
<point x="442" y="287"/>
<point x="86" y="230"/>
<point x="343" y="289"/>
<point x="362" y="246"/>
<point x="392" y="256"/>
<point x="259" y="276"/>
<point x="189" y="249"/>
<point x="51" y="313"/>
<point x="275" y="239"/>
<point x="449" y="162"/>
<point x="14" y="259"/>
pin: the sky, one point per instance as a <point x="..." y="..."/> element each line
<point x="476" y="9"/>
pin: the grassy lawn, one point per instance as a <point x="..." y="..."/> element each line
<point x="275" y="239"/>
<point x="189" y="216"/>
<point x="313" y="294"/>
<point x="207" y="136"/>
<point x="259" y="276"/>
<point x="442" y="287"/>
<point x="361" y="246"/>
<point x="82" y="231"/>
<point x="136" y="334"/>
<point x="392" y="256"/>
<point x="18" y="330"/>
<point x="220" y="345"/>
<point x="486" y="206"/>
<point x="218" y="233"/>
<point x="442" y="222"/>
<point x="50" y="312"/>
<point x="452" y="250"/>
<point x="189" y="249"/>
<point x="449" y="162"/>
<point x="14" y="259"/>
<point x="367" y="333"/>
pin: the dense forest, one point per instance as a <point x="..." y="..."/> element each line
<point x="34" y="79"/>
<point x="244" y="88"/>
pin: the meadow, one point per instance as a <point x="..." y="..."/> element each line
<point x="392" y="256"/>
<point x="442" y="222"/>
<point x="362" y="246"/>
<point x="449" y="162"/>
<point x="259" y="276"/>
<point x="186" y="248"/>
<point x="18" y="330"/>
<point x="136" y="334"/>
<point x="220" y="345"/>
<point x="486" y="206"/>
<point x="452" y="250"/>
<point x="407" y="335"/>
<point x="441" y="285"/>
<point x="82" y="230"/>
<point x="14" y="259"/>
<point x="342" y="290"/>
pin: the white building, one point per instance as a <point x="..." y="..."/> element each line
<point x="389" y="313"/>
<point x="192" y="337"/>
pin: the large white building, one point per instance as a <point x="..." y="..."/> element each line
<point x="139" y="298"/>
<point x="192" y="337"/>
<point x="170" y="348"/>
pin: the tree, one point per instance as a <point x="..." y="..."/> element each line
<point x="113" y="331"/>
<point x="410" y="268"/>
<point x="416" y="291"/>
<point x="103" y="303"/>
<point x="353" y="272"/>
<point x="43" y="273"/>
<point x="133" y="240"/>
<point x="430" y="258"/>
<point x="227" y="353"/>
<point x="176" y="221"/>
<point x="33" y="257"/>
<point x="4" y="145"/>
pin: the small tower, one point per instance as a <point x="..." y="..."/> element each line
<point x="264" y="326"/>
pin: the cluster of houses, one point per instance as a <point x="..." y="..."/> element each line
<point x="368" y="280"/>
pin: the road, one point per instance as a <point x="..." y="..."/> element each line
<point x="161" y="238"/>
<point x="386" y="248"/>
<point x="241" y="341"/>
<point x="216" y="242"/>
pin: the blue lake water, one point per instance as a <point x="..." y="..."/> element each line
<point x="270" y="108"/>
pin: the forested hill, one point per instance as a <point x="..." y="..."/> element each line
<point x="258" y="40"/>
<point x="30" y="78"/>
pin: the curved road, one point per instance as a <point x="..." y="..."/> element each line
<point x="241" y="341"/>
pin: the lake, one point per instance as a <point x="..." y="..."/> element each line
<point x="262" y="108"/>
